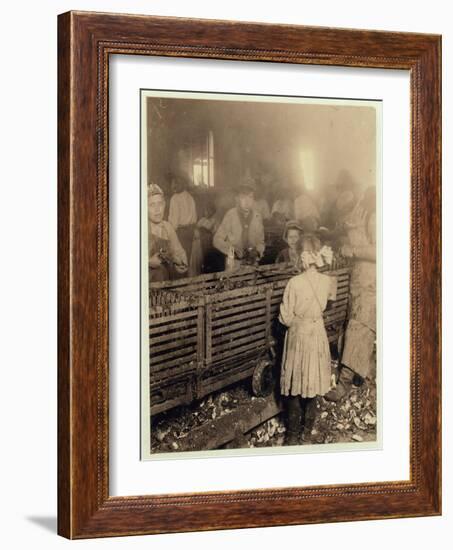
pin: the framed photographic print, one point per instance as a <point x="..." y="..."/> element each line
<point x="213" y="318"/>
<point x="249" y="275"/>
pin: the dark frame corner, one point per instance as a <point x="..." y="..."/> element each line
<point x="85" y="42"/>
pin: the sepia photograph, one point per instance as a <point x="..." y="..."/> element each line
<point x="260" y="260"/>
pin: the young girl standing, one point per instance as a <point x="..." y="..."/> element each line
<point x="306" y="370"/>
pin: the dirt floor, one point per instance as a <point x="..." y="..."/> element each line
<point x="351" y="419"/>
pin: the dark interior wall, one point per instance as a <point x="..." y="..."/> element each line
<point x="263" y="138"/>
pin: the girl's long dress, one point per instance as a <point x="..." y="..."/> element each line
<point x="306" y="369"/>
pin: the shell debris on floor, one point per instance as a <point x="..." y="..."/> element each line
<point x="351" y="419"/>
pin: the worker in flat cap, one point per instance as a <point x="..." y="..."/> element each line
<point x="240" y="236"/>
<point x="167" y="257"/>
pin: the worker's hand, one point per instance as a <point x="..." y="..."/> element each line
<point x="238" y="253"/>
<point x="253" y="255"/>
<point x="347" y="251"/>
<point x="181" y="268"/>
<point x="327" y="254"/>
<point x="155" y="261"/>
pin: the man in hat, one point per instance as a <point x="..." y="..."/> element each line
<point x="166" y="255"/>
<point x="240" y="236"/>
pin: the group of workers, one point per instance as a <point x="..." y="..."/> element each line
<point x="222" y="238"/>
<point x="181" y="247"/>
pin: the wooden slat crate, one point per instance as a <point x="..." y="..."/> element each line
<point x="209" y="331"/>
<point x="175" y="349"/>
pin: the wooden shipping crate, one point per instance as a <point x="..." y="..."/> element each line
<point x="209" y="331"/>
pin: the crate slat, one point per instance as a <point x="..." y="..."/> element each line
<point x="171" y="326"/>
<point x="232" y="346"/>
<point x="168" y="318"/>
<point x="227" y="336"/>
<point x="176" y="343"/>
<point x="188" y="362"/>
<point x="161" y="358"/>
<point x="222" y="320"/>
<point x="224" y="314"/>
<point x="337" y="316"/>
<point x="249" y="321"/>
<point x="248" y="347"/>
<point x="237" y="293"/>
<point x="171" y="335"/>
<point x="250" y="301"/>
<point x="338" y="303"/>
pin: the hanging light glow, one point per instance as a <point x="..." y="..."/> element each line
<point x="307" y="162"/>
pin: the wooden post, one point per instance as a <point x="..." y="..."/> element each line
<point x="200" y="344"/>
<point x="268" y="316"/>
<point x="208" y="330"/>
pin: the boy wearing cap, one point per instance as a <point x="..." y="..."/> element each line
<point x="165" y="253"/>
<point x="240" y="236"/>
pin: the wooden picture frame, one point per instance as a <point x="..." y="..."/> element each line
<point x="85" y="42"/>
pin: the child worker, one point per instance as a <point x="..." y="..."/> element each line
<point x="306" y="369"/>
<point x="167" y="257"/>
<point x="292" y="254"/>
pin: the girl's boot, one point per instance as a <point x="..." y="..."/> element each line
<point x="294" y="420"/>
